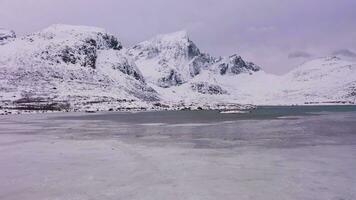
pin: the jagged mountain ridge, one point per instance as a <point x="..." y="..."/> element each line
<point x="87" y="67"/>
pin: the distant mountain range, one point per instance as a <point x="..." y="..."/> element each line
<point x="86" y="68"/>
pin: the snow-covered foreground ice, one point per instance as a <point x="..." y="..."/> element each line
<point x="178" y="155"/>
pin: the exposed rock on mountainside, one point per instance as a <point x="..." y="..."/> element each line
<point x="72" y="45"/>
<point x="206" y="88"/>
<point x="6" y="36"/>
<point x="236" y="65"/>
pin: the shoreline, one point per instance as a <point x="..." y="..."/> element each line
<point x="224" y="108"/>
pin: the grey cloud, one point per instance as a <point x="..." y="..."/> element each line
<point x="299" y="54"/>
<point x="344" y="52"/>
<point x="262" y="29"/>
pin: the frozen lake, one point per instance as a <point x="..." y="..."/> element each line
<point x="276" y="153"/>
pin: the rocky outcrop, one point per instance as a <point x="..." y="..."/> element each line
<point x="207" y="88"/>
<point x="236" y="65"/>
<point x="6" y="36"/>
<point x="76" y="45"/>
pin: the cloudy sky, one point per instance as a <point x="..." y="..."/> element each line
<point x="276" y="34"/>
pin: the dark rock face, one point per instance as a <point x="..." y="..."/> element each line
<point x="40" y="103"/>
<point x="145" y="93"/>
<point x="82" y="51"/>
<point x="6" y="35"/>
<point x="237" y="65"/>
<point x="193" y="50"/>
<point x="172" y="79"/>
<point x="128" y="68"/>
<point x="199" y="62"/>
<point x="111" y="41"/>
<point x="352" y="90"/>
<point x="85" y="54"/>
<point x="206" y="88"/>
<point x="223" y="68"/>
<point x="146" y="52"/>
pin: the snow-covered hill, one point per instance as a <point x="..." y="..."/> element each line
<point x="328" y="79"/>
<point x="80" y="68"/>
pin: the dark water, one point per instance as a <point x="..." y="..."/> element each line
<point x="179" y="117"/>
<point x="274" y="127"/>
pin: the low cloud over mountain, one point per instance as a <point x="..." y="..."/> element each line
<point x="345" y="52"/>
<point x="299" y="54"/>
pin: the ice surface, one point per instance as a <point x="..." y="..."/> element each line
<point x="76" y="156"/>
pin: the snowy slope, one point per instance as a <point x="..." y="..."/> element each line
<point x="322" y="80"/>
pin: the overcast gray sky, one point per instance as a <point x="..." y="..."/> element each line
<point x="275" y="34"/>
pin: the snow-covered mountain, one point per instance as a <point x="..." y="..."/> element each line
<point x="180" y="72"/>
<point x="173" y="59"/>
<point x="78" y="67"/>
<point x="81" y="66"/>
